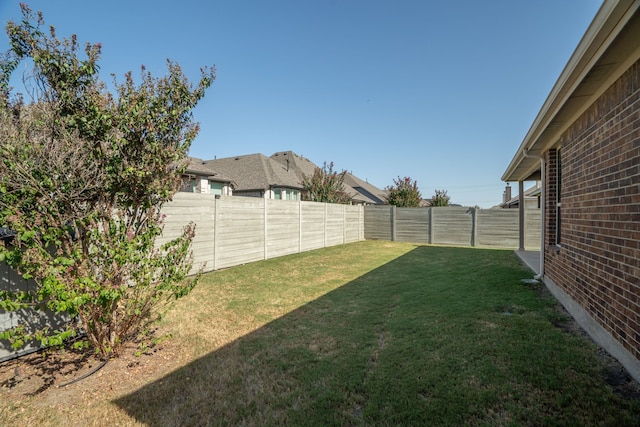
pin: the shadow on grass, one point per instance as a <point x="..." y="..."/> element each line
<point x="421" y="340"/>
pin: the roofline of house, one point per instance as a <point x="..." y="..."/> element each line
<point x="557" y="113"/>
<point x="217" y="178"/>
<point x="269" y="187"/>
<point x="208" y="175"/>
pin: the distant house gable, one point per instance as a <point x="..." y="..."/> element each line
<point x="359" y="191"/>
<point x="295" y="163"/>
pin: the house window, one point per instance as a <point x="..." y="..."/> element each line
<point x="555" y="197"/>
<point x="277" y="194"/>
<point x="558" y="197"/>
<point x="216" y="188"/>
<point x="292" y="195"/>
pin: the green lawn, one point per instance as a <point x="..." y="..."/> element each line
<point x="377" y="333"/>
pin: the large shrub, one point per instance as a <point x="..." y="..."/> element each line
<point x="83" y="176"/>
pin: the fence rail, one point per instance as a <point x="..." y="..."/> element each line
<point x="460" y="226"/>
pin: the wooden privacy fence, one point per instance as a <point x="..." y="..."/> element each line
<point x="459" y="226"/>
<point x="237" y="230"/>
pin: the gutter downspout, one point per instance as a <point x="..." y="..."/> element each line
<point x="543" y="206"/>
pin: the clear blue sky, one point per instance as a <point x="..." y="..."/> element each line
<point x="440" y="91"/>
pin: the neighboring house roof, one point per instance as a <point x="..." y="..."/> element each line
<point x="356" y="196"/>
<point x="368" y="191"/>
<point x="297" y="164"/>
<point x="605" y="52"/>
<point x="359" y="191"/>
<point x="256" y="172"/>
<point x="201" y="167"/>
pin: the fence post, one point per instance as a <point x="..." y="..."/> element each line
<point x="344" y="224"/>
<point x="265" y="228"/>
<point x="393" y="223"/>
<point x="474" y="226"/>
<point x="361" y="223"/>
<point x="216" y="221"/>
<point x="299" y="226"/>
<point x="431" y="225"/>
<point x="325" y="225"/>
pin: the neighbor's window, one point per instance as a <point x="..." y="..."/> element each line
<point x="188" y="185"/>
<point x="216" y="188"/>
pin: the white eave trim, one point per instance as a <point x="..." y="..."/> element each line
<point x="611" y="18"/>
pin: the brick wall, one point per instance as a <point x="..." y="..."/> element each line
<point x="598" y="261"/>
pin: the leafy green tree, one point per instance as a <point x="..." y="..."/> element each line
<point x="440" y="198"/>
<point x="84" y="174"/>
<point x="325" y="185"/>
<point x="404" y="193"/>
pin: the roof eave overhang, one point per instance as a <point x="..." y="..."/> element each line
<point x="600" y="58"/>
<point x="217" y="178"/>
<point x="286" y="186"/>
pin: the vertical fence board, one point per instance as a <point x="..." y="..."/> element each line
<point x="377" y="223"/>
<point x="498" y="228"/>
<point x="412" y="225"/>
<point x="312" y="226"/>
<point x="199" y="209"/>
<point x="240" y="230"/>
<point x="532" y="229"/>
<point x="283" y="228"/>
<point x="452" y="226"/>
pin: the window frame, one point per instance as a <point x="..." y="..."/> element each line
<point x="558" y="201"/>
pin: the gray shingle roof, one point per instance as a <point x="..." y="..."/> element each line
<point x="376" y="195"/>
<point x="256" y="172"/>
<point x="358" y="190"/>
<point x="300" y="165"/>
<point x="201" y="167"/>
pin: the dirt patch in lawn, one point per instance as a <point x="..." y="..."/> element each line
<point x="69" y="377"/>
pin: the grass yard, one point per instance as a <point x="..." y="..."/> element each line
<point x="371" y="333"/>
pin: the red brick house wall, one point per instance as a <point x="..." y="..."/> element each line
<point x="595" y="173"/>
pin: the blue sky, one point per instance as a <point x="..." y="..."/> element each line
<point x="440" y="91"/>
